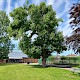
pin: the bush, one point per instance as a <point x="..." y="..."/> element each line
<point x="63" y="58"/>
<point x="51" y="58"/>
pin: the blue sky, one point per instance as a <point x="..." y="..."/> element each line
<point x="60" y="6"/>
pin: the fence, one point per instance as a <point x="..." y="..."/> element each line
<point x="59" y="61"/>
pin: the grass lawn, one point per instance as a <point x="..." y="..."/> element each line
<point x="27" y="72"/>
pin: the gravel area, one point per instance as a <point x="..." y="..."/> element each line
<point x="70" y="69"/>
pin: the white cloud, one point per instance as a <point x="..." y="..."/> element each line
<point x="22" y="2"/>
<point x="58" y="3"/>
<point x="68" y="16"/>
<point x="16" y="5"/>
<point x="8" y="9"/>
<point x="19" y="3"/>
<point x="66" y="8"/>
<point x="37" y="2"/>
<point x="66" y="28"/>
<point x="56" y="6"/>
<point x="50" y="2"/>
<point x="55" y="3"/>
<point x="1" y="4"/>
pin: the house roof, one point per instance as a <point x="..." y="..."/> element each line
<point x="71" y="55"/>
<point x="16" y="55"/>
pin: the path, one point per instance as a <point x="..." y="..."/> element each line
<point x="70" y="69"/>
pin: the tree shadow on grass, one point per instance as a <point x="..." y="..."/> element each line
<point x="36" y="66"/>
<point x="6" y="64"/>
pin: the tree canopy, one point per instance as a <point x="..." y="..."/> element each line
<point x="74" y="40"/>
<point x="5" y="43"/>
<point x="75" y="15"/>
<point x="41" y="21"/>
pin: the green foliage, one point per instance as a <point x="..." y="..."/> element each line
<point x="63" y="58"/>
<point x="4" y="23"/>
<point x="19" y="24"/>
<point x="44" y="23"/>
<point x="70" y="60"/>
<point x="28" y="48"/>
<point x="51" y="58"/>
<point x="74" y="58"/>
<point x="5" y="43"/>
<point x="41" y="20"/>
<point x="4" y="47"/>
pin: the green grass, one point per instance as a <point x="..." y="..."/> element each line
<point x="34" y="72"/>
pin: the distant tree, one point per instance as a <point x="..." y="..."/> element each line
<point x="41" y="21"/>
<point x="5" y="43"/>
<point x="74" y="40"/>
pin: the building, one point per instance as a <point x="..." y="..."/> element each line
<point x="20" y="57"/>
<point x="30" y="60"/>
<point x="15" y="57"/>
<point x="71" y="55"/>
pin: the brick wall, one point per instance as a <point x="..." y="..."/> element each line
<point x="2" y="61"/>
<point x="31" y="60"/>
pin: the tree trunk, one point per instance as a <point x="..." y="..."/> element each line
<point x="45" y="54"/>
<point x="43" y="61"/>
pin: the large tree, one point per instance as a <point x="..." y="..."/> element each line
<point x="75" y="15"/>
<point x="5" y="43"/>
<point x="41" y="21"/>
<point x="74" y="40"/>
